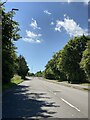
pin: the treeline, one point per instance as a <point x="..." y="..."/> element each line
<point x="72" y="63"/>
<point x="11" y="63"/>
<point x="37" y="74"/>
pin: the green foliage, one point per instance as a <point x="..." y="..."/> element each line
<point x="22" y="67"/>
<point x="65" y="64"/>
<point x="30" y="74"/>
<point x="48" y="74"/>
<point x="85" y="62"/>
<point x="53" y="68"/>
<point x="9" y="35"/>
<point x="39" y="74"/>
<point x="14" y="81"/>
<point x="71" y="58"/>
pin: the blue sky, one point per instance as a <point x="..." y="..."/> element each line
<point x="46" y="28"/>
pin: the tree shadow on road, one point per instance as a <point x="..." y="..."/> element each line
<point x="18" y="103"/>
<point x="26" y="79"/>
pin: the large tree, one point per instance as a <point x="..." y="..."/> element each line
<point x="85" y="61"/>
<point x="9" y="35"/>
<point x="71" y="57"/>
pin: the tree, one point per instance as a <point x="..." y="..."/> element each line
<point x="65" y="64"/>
<point x="22" y="67"/>
<point x="30" y="74"/>
<point x="9" y="35"/>
<point x="39" y="74"/>
<point x="59" y="73"/>
<point x="53" y="68"/>
<point x="48" y="73"/>
<point x="85" y="61"/>
<point x="71" y="57"/>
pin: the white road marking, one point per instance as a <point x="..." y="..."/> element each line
<point x="70" y="104"/>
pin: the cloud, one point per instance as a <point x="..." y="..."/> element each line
<point x="32" y="37"/>
<point x="86" y="2"/>
<point x="65" y="15"/>
<point x="89" y="20"/>
<point x="34" y="24"/>
<point x="52" y="23"/>
<point x="77" y="1"/>
<point x="31" y="40"/>
<point x="69" y="1"/>
<point x="70" y="26"/>
<point x="47" y="12"/>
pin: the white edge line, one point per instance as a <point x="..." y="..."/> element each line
<point x="70" y="104"/>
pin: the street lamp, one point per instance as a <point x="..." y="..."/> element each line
<point x="3" y="3"/>
<point x="13" y="9"/>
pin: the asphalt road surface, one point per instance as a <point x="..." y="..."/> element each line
<point x="37" y="98"/>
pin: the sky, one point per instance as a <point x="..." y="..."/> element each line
<point x="46" y="27"/>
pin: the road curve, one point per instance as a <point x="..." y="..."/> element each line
<point x="38" y="98"/>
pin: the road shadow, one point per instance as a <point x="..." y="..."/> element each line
<point x="27" y="79"/>
<point x="21" y="104"/>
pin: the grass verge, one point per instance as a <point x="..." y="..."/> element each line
<point x="86" y="89"/>
<point x="65" y="83"/>
<point x="85" y="84"/>
<point x="14" y="81"/>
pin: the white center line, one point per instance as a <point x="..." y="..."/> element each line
<point x="70" y="104"/>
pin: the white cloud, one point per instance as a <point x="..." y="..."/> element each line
<point x="69" y="1"/>
<point x="86" y="2"/>
<point x="34" y="24"/>
<point x="70" y="26"/>
<point x="47" y="12"/>
<point x="65" y="15"/>
<point x="31" y="40"/>
<point x="32" y="37"/>
<point x="52" y="23"/>
<point x="89" y="20"/>
<point x="38" y="41"/>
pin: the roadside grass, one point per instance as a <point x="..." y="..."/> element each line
<point x="85" y="84"/>
<point x="86" y="89"/>
<point x="58" y="81"/>
<point x="14" y="81"/>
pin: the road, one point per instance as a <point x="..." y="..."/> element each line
<point x="37" y="98"/>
